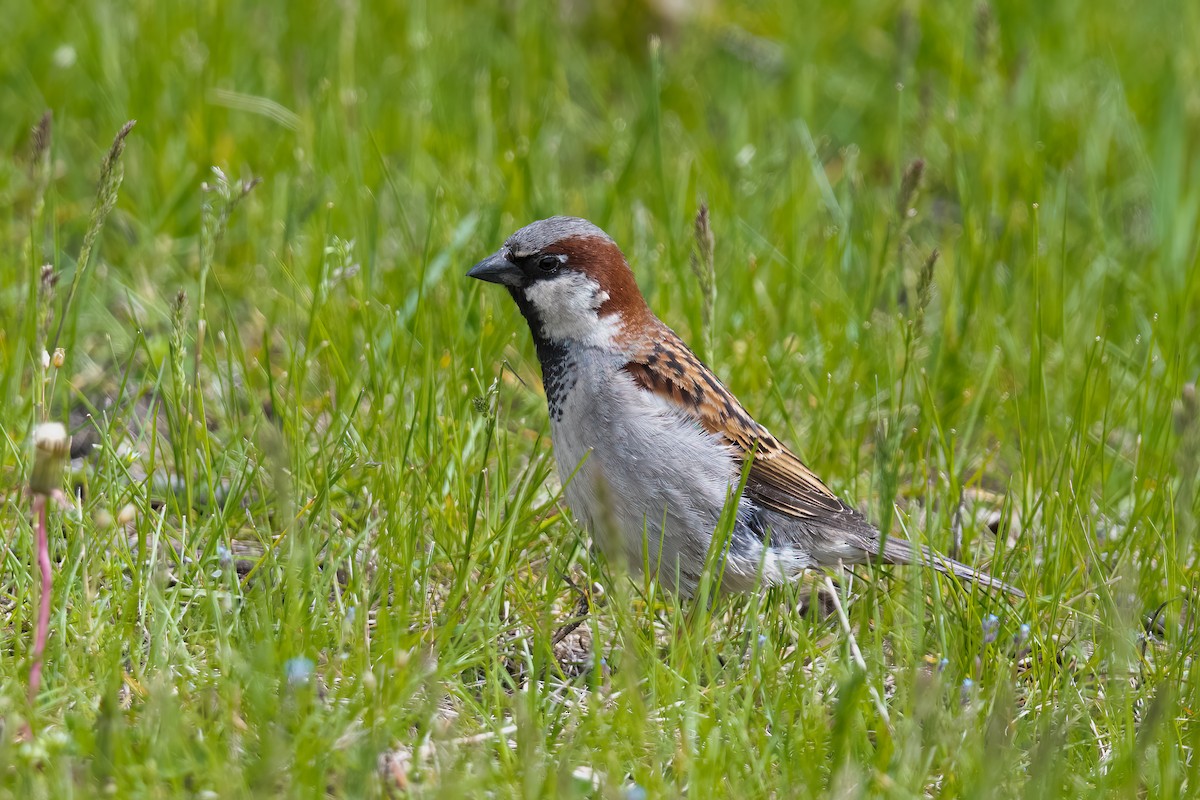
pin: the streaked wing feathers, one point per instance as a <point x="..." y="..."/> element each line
<point x="777" y="479"/>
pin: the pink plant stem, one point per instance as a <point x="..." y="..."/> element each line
<point x="43" y="621"/>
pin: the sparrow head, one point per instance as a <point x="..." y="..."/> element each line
<point x="570" y="281"/>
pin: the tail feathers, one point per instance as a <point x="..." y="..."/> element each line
<point x="900" y="551"/>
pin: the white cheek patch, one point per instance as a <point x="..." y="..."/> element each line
<point x="568" y="308"/>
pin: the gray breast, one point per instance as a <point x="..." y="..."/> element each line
<point x="642" y="476"/>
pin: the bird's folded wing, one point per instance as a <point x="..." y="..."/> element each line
<point x="778" y="479"/>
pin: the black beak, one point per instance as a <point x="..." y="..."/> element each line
<point x="496" y="268"/>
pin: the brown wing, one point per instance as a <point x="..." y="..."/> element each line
<point x="777" y="479"/>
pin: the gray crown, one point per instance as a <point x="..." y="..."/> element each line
<point x="537" y="236"/>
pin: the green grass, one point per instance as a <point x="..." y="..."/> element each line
<point x="318" y="550"/>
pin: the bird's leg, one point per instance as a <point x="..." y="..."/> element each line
<point x="582" y="607"/>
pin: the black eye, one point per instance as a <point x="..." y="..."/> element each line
<point x="550" y="263"/>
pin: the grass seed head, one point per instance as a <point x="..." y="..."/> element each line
<point x="51" y="449"/>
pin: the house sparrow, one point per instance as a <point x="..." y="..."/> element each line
<point x="651" y="446"/>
